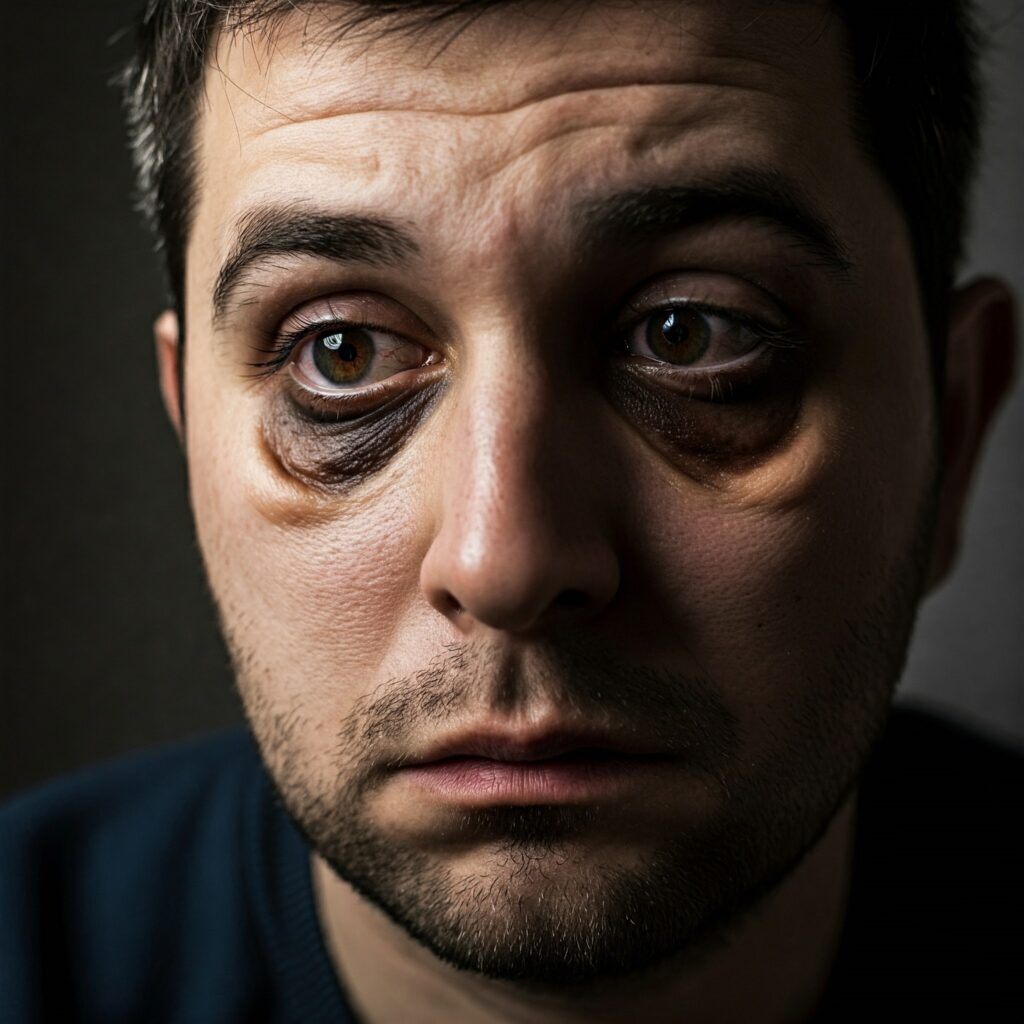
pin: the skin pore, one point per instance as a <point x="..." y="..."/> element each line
<point x="567" y="376"/>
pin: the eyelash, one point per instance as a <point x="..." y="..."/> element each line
<point x="777" y="337"/>
<point x="280" y="346"/>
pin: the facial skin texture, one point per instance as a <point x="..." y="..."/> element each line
<point x="541" y="525"/>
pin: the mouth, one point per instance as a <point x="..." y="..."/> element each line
<point x="486" y="770"/>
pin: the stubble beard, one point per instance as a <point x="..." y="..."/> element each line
<point x="539" y="908"/>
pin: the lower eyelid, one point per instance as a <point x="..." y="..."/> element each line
<point x="339" y="393"/>
<point x="760" y="354"/>
<point x="740" y="381"/>
<point x="333" y="452"/>
<point x="356" y="402"/>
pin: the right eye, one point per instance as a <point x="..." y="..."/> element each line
<point x="689" y="336"/>
<point x="340" y="357"/>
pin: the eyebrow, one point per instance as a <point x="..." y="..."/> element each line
<point x="742" y="194"/>
<point x="268" y="231"/>
<point x="622" y="217"/>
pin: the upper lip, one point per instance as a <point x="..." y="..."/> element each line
<point x="528" y="746"/>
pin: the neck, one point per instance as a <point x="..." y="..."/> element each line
<point x="771" y="966"/>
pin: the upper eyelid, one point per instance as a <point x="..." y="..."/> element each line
<point x="299" y="334"/>
<point x="702" y="288"/>
<point x="359" y="309"/>
<point x="279" y="344"/>
<point x="368" y="308"/>
<point x="743" y="319"/>
<point x="638" y="312"/>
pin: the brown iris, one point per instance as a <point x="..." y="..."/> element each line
<point x="343" y="357"/>
<point x="678" y="335"/>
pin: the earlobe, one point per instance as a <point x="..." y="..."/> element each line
<point x="980" y="358"/>
<point x="166" y="336"/>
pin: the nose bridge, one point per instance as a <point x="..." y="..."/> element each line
<point x="523" y="528"/>
<point x="499" y="477"/>
<point x="508" y="411"/>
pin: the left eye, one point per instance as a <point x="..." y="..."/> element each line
<point x="688" y="336"/>
<point x="344" y="357"/>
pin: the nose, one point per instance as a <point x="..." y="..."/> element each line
<point x="525" y="526"/>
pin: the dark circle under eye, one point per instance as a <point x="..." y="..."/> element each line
<point x="343" y="356"/>
<point x="678" y="335"/>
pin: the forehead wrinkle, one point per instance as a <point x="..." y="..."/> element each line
<point x="711" y="83"/>
<point x="715" y="52"/>
<point x="668" y="122"/>
<point x="526" y="108"/>
<point x="719" y="96"/>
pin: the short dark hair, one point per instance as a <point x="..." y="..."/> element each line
<point x="914" y="80"/>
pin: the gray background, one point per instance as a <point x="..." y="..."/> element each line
<point x="109" y="640"/>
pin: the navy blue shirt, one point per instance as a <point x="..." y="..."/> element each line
<point x="166" y="886"/>
<point x="171" y="886"/>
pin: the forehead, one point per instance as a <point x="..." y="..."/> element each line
<point x="501" y="119"/>
<point x="513" y="55"/>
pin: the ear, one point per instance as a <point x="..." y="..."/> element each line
<point x="166" y="335"/>
<point x="979" y="369"/>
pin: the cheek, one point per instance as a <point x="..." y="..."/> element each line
<point x="312" y="587"/>
<point x="767" y="573"/>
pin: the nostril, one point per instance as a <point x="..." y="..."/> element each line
<point x="514" y="590"/>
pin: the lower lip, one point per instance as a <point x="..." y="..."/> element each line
<point x="479" y="781"/>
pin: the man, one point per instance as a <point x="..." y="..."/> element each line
<point x="577" y="405"/>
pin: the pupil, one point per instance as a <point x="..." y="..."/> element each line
<point x="680" y="337"/>
<point x="674" y="331"/>
<point x="337" y="343"/>
<point x="343" y="357"/>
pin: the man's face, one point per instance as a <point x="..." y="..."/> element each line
<point x="568" y="389"/>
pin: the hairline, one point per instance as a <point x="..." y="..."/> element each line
<point x="269" y="21"/>
<point x="172" y="174"/>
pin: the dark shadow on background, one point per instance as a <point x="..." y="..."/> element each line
<point x="109" y="638"/>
